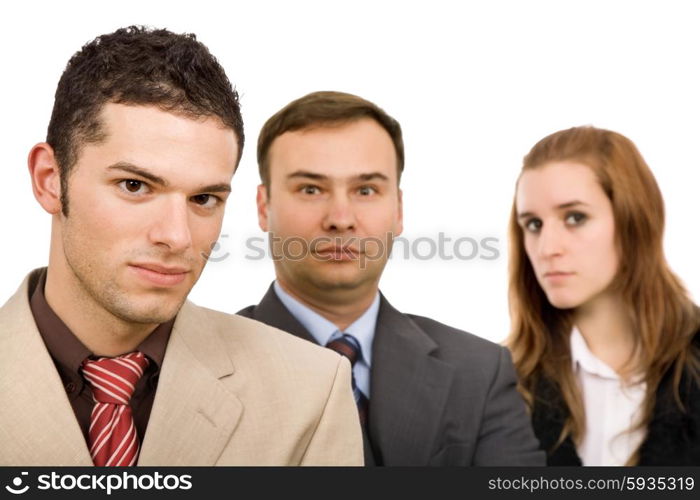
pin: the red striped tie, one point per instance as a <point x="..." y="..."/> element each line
<point x="113" y="437"/>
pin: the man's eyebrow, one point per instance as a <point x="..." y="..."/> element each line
<point x="307" y="175"/>
<point x="372" y="176"/>
<point x="216" y="188"/>
<point x="320" y="177"/>
<point x="221" y="187"/>
<point x="142" y="172"/>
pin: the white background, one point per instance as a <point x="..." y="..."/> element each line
<point x="474" y="85"/>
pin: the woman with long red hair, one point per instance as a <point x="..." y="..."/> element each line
<point x="604" y="337"/>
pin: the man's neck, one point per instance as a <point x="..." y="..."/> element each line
<point x="100" y="331"/>
<point x="342" y="307"/>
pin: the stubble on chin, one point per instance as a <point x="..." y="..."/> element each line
<point x="107" y="294"/>
<point x="326" y="281"/>
<point x="131" y="310"/>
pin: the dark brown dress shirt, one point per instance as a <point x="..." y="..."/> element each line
<point x="68" y="353"/>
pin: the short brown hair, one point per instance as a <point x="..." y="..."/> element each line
<point x="141" y="66"/>
<point x="319" y="109"/>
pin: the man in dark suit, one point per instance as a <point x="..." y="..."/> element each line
<point x="427" y="394"/>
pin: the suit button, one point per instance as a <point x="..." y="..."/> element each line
<point x="70" y="387"/>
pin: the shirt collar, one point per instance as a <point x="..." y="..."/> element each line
<point x="69" y="352"/>
<point x="322" y="330"/>
<point x="583" y="358"/>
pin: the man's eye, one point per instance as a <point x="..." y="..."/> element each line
<point x="310" y="190"/>
<point x="206" y="200"/>
<point x="133" y="186"/>
<point x="533" y="225"/>
<point x="366" y="190"/>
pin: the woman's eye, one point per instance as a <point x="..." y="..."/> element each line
<point x="575" y="218"/>
<point x="533" y="225"/>
<point x="133" y="186"/>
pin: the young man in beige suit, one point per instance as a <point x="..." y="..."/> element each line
<point x="102" y="359"/>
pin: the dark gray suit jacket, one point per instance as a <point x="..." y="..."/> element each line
<point x="439" y="396"/>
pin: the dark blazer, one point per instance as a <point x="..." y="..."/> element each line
<point x="673" y="436"/>
<point x="439" y="396"/>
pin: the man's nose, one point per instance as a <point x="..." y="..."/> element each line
<point x="340" y="215"/>
<point x="171" y="225"/>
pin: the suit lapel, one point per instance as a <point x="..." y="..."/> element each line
<point x="409" y="389"/>
<point x="194" y="414"/>
<point x="273" y="312"/>
<point x="37" y="423"/>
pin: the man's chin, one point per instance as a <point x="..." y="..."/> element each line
<point x="340" y="281"/>
<point x="147" y="315"/>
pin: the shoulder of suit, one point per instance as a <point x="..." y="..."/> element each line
<point x="249" y="337"/>
<point x="247" y="312"/>
<point x="442" y="333"/>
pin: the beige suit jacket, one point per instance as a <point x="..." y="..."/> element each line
<point x="232" y="391"/>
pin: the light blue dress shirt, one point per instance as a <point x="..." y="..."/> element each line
<point x="324" y="331"/>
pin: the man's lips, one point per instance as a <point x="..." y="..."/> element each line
<point x="337" y="253"/>
<point x="162" y="269"/>
<point x="160" y="275"/>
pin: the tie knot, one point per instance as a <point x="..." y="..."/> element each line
<point x="113" y="379"/>
<point x="348" y="346"/>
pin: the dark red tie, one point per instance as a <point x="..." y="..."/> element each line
<point x="113" y="437"/>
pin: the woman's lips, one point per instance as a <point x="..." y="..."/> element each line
<point x="557" y="276"/>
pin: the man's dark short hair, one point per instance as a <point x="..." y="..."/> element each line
<point x="320" y="109"/>
<point x="138" y="66"/>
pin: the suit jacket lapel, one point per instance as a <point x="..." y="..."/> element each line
<point x="273" y="312"/>
<point x="409" y="389"/>
<point x="37" y="423"/>
<point x="193" y="413"/>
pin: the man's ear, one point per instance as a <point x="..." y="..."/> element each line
<point x="261" y="200"/>
<point x="399" y="222"/>
<point x="45" y="175"/>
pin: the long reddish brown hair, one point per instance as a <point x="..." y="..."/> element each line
<point x="663" y="316"/>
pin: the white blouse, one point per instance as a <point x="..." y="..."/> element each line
<point x="611" y="407"/>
